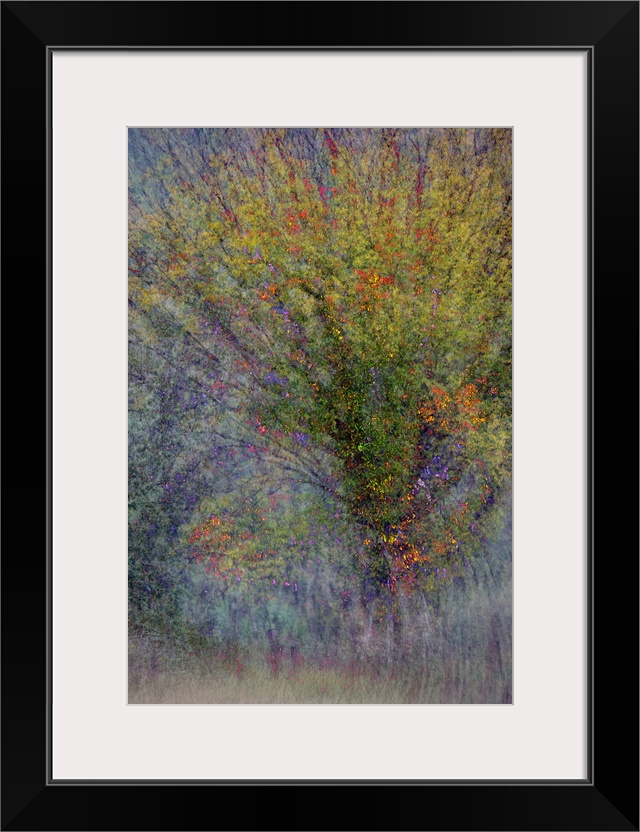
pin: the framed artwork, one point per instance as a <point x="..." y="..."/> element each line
<point x="280" y="378"/>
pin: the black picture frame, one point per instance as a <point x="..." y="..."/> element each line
<point x="608" y="798"/>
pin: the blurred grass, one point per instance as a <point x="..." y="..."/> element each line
<point x="453" y="682"/>
<point x="465" y="664"/>
<point x="454" y="649"/>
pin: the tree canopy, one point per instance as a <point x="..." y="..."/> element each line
<point x="330" y="312"/>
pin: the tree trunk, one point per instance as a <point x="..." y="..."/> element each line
<point x="390" y="619"/>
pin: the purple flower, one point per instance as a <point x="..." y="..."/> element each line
<point x="274" y="378"/>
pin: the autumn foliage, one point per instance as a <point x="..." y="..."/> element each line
<point x="349" y="296"/>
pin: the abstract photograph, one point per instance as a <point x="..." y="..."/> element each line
<point x="320" y="415"/>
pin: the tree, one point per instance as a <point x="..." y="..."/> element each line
<point x="349" y="294"/>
